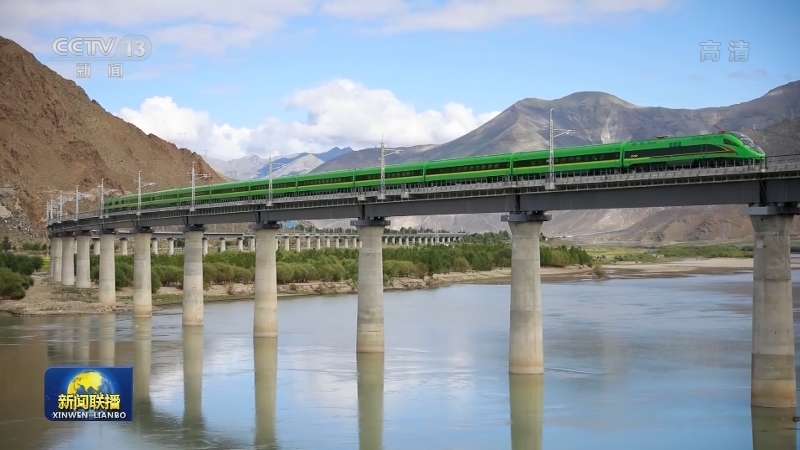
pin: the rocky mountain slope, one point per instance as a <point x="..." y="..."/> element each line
<point x="53" y="137"/>
<point x="598" y="117"/>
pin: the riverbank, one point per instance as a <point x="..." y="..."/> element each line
<point x="50" y="299"/>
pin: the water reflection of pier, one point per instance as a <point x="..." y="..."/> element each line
<point x="771" y="428"/>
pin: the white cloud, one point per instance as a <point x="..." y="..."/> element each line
<point x="339" y="113"/>
<point x="204" y="25"/>
<point x="207" y="26"/>
<point x="362" y="9"/>
<point x="468" y="15"/>
<point x="162" y="117"/>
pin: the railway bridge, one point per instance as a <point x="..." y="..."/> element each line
<point x="769" y="193"/>
<point x="296" y="240"/>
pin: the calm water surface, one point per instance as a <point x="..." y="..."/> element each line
<point x="630" y="364"/>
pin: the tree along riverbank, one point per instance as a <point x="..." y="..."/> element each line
<point x="46" y="298"/>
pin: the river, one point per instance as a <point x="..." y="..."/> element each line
<point x="645" y="363"/>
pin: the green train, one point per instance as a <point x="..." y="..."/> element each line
<point x="661" y="153"/>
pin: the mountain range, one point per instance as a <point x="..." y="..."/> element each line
<point x="54" y="138"/>
<point x="598" y="117"/>
<point x="253" y="166"/>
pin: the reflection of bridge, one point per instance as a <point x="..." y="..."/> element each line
<point x="771" y="189"/>
<point x="192" y="430"/>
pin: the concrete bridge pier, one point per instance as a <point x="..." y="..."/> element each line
<point x="327" y="242"/>
<point x="205" y="246"/>
<point x="142" y="284"/>
<point x="154" y="245"/>
<point x="286" y="244"/>
<point x="107" y="289"/>
<point x="308" y="243"/>
<point x="772" y="366"/>
<point x="370" y="367"/>
<point x="55" y="258"/>
<point x="252" y="243"/>
<point x="170" y="246"/>
<point x="526" y="350"/>
<point x="369" y="334"/>
<point x="319" y="244"/>
<point x="142" y="358"/>
<point x="82" y="277"/>
<point x="265" y="318"/>
<point x="265" y="358"/>
<point x="222" y="244"/>
<point x="192" y="376"/>
<point x="123" y="246"/>
<point x="68" y="260"/>
<point x="527" y="411"/>
<point x="336" y="242"/>
<point x="240" y="243"/>
<point x="96" y="246"/>
<point x="193" y="309"/>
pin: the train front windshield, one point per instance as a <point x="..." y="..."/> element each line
<point x="748" y="142"/>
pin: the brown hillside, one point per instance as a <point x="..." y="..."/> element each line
<point x="54" y="137"/>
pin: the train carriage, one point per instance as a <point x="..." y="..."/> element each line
<point x="325" y="182"/>
<point x="588" y="159"/>
<point x="121" y="203"/>
<point x="185" y="196"/>
<point x="491" y="168"/>
<point x="227" y="192"/>
<point x="395" y="174"/>
<point x="160" y="199"/>
<point x="281" y="186"/>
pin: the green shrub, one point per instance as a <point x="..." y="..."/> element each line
<point x="12" y="284"/>
<point x="331" y="264"/>
<point x="705" y="251"/>
<point x="155" y="279"/>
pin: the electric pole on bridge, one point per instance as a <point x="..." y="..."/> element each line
<point x="384" y="154"/>
<point x="139" y="186"/>
<point x="551" y="181"/>
<point x="76" y="198"/>
<point x="60" y="206"/>
<point x="269" y="176"/>
<point x="103" y="192"/>
<point x="196" y="176"/>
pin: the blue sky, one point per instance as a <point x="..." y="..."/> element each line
<point x="253" y="76"/>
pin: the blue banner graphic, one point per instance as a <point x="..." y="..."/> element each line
<point x="88" y="393"/>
